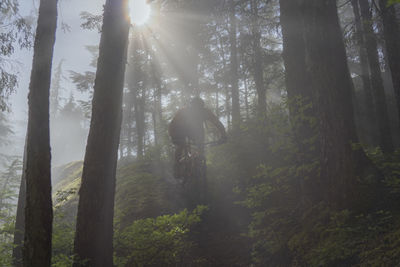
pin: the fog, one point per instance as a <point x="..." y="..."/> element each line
<point x="68" y="126"/>
<point x="253" y="133"/>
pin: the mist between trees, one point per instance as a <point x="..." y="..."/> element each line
<point x="309" y="95"/>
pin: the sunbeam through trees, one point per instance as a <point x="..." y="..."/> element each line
<point x="199" y="133"/>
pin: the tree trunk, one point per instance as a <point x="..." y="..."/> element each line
<point x="297" y="83"/>
<point x="157" y="95"/>
<point x="228" y="109"/>
<point x="129" y="120"/>
<point x="217" y="100"/>
<point x="391" y="33"/>
<point x="38" y="211"/>
<point x="234" y="68"/>
<point x="385" y="137"/>
<point x="94" y="230"/>
<point x="257" y="62"/>
<point x="246" y="99"/>
<point x="365" y="76"/>
<point x="154" y="118"/>
<point x="331" y="86"/>
<point x="221" y="50"/>
<point x="139" y="105"/>
<point x="299" y="91"/>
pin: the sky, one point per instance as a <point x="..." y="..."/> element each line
<point x="69" y="46"/>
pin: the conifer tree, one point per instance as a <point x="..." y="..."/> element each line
<point x="93" y="245"/>
<point x="38" y="210"/>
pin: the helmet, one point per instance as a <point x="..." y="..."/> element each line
<point x="197" y="102"/>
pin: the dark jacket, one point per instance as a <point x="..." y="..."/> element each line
<point x="189" y="122"/>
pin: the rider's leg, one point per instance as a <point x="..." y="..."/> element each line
<point x="178" y="156"/>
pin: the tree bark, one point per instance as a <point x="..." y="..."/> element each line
<point x="300" y="97"/>
<point x="38" y="211"/>
<point x="385" y="136"/>
<point x="257" y="62"/>
<point x="139" y="106"/>
<point x="365" y="75"/>
<point x="297" y="83"/>
<point x="331" y="85"/>
<point x="157" y="95"/>
<point x="94" y="230"/>
<point x="391" y="33"/>
<point x="234" y="68"/>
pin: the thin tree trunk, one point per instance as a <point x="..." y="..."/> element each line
<point x="385" y="136"/>
<point x="391" y="33"/>
<point x="159" y="112"/>
<point x="234" y="68"/>
<point x="154" y="118"/>
<point x="140" y="123"/>
<point x="157" y="108"/>
<point x="225" y="82"/>
<point x="365" y="76"/>
<point x="228" y="108"/>
<point x="217" y="101"/>
<point x="258" y="65"/>
<point x="129" y="144"/>
<point x="94" y="230"/>
<point x="139" y="136"/>
<point x="246" y="99"/>
<point x="38" y="210"/>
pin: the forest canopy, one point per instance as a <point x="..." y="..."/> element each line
<point x="199" y="133"/>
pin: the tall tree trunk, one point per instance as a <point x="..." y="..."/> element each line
<point x="139" y="105"/>
<point x="38" y="210"/>
<point x="234" y="68"/>
<point x="365" y="76"/>
<point x="94" y="230"/>
<point x="258" y="65"/>
<point x="228" y="109"/>
<point x="297" y="83"/>
<point x="331" y="86"/>
<point x="129" y="120"/>
<point x="221" y="50"/>
<point x="391" y="33"/>
<point x="217" y="100"/>
<point x="55" y="90"/>
<point x="301" y="108"/>
<point x="246" y="99"/>
<point x="157" y="94"/>
<point x="154" y="118"/>
<point x="378" y="90"/>
<point x="19" y="230"/>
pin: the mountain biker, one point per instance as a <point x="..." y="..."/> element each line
<point x="188" y="123"/>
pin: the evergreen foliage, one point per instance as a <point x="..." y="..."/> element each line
<point x="300" y="182"/>
<point x="16" y="32"/>
<point x="9" y="182"/>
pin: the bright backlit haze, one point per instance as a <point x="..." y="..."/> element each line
<point x="139" y="11"/>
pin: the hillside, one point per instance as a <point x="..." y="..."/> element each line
<point x="149" y="209"/>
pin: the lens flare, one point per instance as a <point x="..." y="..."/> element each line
<point x="139" y="11"/>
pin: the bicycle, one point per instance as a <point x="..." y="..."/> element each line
<point x="192" y="170"/>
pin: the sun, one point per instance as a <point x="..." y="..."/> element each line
<point x="139" y="11"/>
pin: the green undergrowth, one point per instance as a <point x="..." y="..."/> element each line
<point x="151" y="226"/>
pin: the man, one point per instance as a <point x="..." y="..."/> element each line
<point x="188" y="124"/>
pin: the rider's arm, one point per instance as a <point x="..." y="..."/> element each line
<point x="214" y="120"/>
